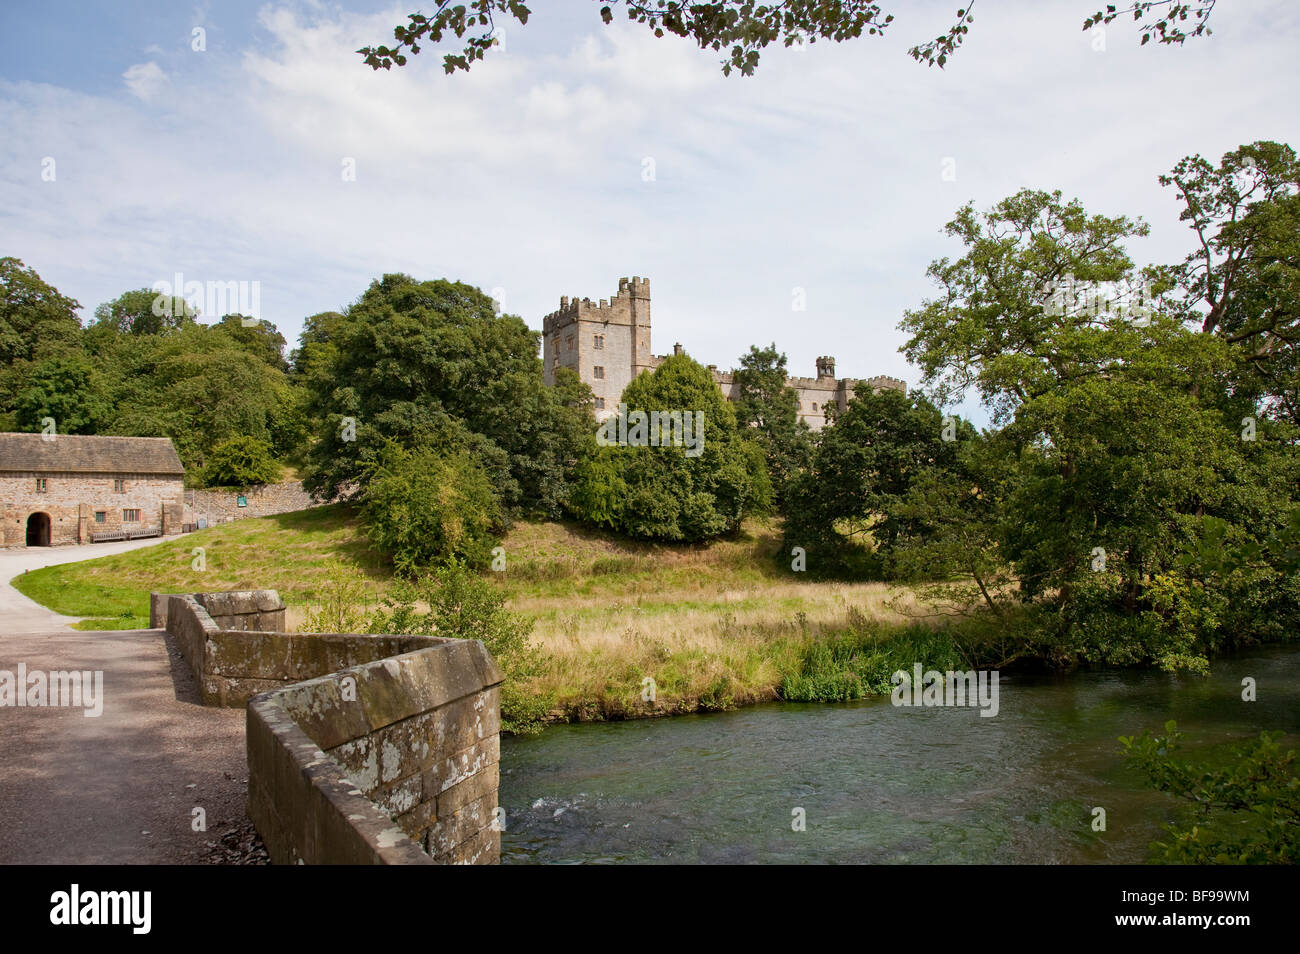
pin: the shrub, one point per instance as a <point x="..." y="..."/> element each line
<point x="425" y="507"/>
<point x="344" y="602"/>
<point x="240" y="462"/>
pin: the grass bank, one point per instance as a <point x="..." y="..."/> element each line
<point x="285" y="552"/>
<point x="712" y="626"/>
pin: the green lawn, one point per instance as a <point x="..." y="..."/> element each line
<point x="284" y="553"/>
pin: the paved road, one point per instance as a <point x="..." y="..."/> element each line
<point x="121" y="787"/>
<point x="18" y="614"/>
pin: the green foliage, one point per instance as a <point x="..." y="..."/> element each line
<point x="68" y="389"/>
<point x="859" y="663"/>
<point x="885" y="473"/>
<point x="344" y="602"/>
<point x="767" y="409"/>
<point x="742" y="28"/>
<point x="144" y="311"/>
<point x="258" y="337"/>
<point x="424" y="507"/>
<point x="1122" y="460"/>
<point x="1251" y="809"/>
<point x="465" y="606"/>
<point x="36" y="323"/>
<point x="240" y="462"/>
<point x="197" y="385"/>
<point x="420" y="363"/>
<point x="682" y="490"/>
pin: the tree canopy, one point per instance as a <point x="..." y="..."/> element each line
<point x="742" y="28"/>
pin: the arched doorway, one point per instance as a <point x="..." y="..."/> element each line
<point x="38" y="530"/>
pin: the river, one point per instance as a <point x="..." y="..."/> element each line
<point x="885" y="784"/>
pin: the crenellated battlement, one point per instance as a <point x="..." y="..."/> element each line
<point x="883" y="382"/>
<point x="619" y="310"/>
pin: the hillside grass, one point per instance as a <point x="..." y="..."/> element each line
<point x="714" y="626"/>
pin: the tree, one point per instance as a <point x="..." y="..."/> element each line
<point x="744" y="27"/>
<point x="199" y="386"/>
<point x="145" y="312"/>
<point x="863" y="471"/>
<point x="69" y="390"/>
<point x="767" y="409"/>
<point x="240" y="462"/>
<point x="1241" y="280"/>
<point x="432" y="362"/>
<point x="1121" y="433"/>
<point x="258" y="337"/>
<point x="671" y="464"/>
<point x="35" y="319"/>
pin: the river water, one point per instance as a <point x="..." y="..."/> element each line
<point x="885" y="784"/>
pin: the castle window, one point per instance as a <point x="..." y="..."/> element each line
<point x="101" y="516"/>
<point x="814" y="407"/>
<point x="598" y="371"/>
<point x="569" y="341"/>
<point x="600" y="343"/>
<point x="600" y="404"/>
<point x="41" y="485"/>
<point x="119" y="485"/>
<point x="130" y="516"/>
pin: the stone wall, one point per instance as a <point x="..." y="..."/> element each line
<point x="261" y="610"/>
<point x="74" y="500"/>
<point x="220" y="506"/>
<point x="362" y="749"/>
<point x="408" y="745"/>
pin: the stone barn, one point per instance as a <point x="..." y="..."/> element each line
<point x="72" y="488"/>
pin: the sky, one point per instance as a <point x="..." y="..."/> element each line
<point x="128" y="155"/>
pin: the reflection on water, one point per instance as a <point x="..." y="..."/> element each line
<point x="881" y="784"/>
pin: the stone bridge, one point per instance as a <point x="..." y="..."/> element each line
<point x="362" y="748"/>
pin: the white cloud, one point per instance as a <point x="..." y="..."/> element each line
<point x="144" y="80"/>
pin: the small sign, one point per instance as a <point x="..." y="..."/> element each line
<point x="241" y="500"/>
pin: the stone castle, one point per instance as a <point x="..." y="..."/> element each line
<point x="608" y="344"/>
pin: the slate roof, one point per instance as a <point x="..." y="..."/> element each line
<point x="87" y="454"/>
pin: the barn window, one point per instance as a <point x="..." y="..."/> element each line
<point x="41" y="485"/>
<point x="101" y="516"/>
<point x="130" y="516"/>
<point x="119" y="485"/>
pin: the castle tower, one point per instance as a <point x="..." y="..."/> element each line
<point x="607" y="342"/>
<point x="826" y="367"/>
